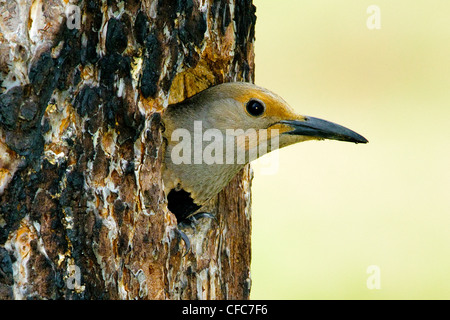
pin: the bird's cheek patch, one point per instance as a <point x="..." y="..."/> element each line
<point x="247" y="140"/>
<point x="258" y="139"/>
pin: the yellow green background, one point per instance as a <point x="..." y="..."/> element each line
<point x="333" y="208"/>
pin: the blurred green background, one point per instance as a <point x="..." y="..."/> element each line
<point x="333" y="209"/>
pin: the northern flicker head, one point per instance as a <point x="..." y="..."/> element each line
<point x="252" y="116"/>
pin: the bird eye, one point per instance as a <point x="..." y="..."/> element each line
<point x="255" y="108"/>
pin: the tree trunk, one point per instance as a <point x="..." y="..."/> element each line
<point x="83" y="214"/>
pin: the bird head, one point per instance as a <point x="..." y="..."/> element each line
<point x="250" y="112"/>
<point x="240" y="105"/>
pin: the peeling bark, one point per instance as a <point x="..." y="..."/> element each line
<point x="83" y="214"/>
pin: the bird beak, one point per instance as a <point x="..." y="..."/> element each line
<point x="319" y="128"/>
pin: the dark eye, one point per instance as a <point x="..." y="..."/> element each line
<point x="255" y="108"/>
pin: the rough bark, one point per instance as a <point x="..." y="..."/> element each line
<point x="83" y="214"/>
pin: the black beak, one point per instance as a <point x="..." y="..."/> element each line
<point x="319" y="128"/>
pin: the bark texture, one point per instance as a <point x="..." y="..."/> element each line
<point x="83" y="214"/>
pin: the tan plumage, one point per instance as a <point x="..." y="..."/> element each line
<point x="223" y="107"/>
